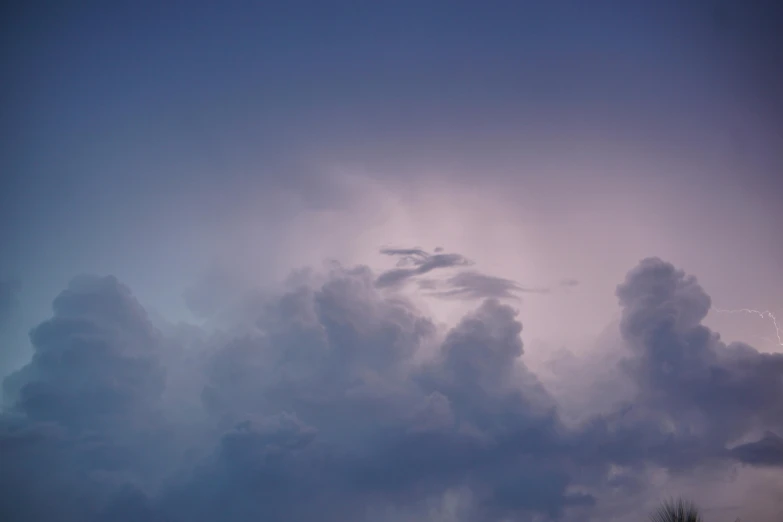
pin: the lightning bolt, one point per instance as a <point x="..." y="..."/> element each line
<point x="765" y="314"/>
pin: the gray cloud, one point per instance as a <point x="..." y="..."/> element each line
<point x="685" y="374"/>
<point x="144" y="145"/>
<point x="475" y="285"/>
<point x="415" y="262"/>
<point x="469" y="285"/>
<point x="768" y="451"/>
<point x="85" y="407"/>
<point x="101" y="335"/>
<point x="320" y="410"/>
<point x="383" y="432"/>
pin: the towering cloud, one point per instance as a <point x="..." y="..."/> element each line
<point x="95" y="363"/>
<point x="85" y="415"/>
<point x="692" y="381"/>
<point x="341" y="402"/>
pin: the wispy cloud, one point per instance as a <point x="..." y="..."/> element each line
<point x="474" y="285"/>
<point x="414" y="262"/>
<point x="569" y="282"/>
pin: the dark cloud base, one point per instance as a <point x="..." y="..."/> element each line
<point x="320" y="411"/>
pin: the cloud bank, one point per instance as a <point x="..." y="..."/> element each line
<point x="323" y="407"/>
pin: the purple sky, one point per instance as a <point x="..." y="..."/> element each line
<point x="298" y="231"/>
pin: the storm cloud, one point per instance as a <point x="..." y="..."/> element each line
<point x="322" y="409"/>
<point x="697" y="384"/>
<point x="241" y="350"/>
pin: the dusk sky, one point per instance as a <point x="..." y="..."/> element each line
<point x="391" y="261"/>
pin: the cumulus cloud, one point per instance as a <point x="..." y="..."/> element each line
<point x="323" y="408"/>
<point x="94" y="360"/>
<point x="85" y="406"/>
<point x="686" y="375"/>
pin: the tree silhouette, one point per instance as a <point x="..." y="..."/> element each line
<point x="679" y="510"/>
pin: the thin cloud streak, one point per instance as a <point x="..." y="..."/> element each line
<point x="421" y="263"/>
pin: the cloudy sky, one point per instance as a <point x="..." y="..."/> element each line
<point x="390" y="261"/>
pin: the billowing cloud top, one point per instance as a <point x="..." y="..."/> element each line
<point x="326" y="409"/>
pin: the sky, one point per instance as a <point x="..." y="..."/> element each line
<point x="391" y="261"/>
